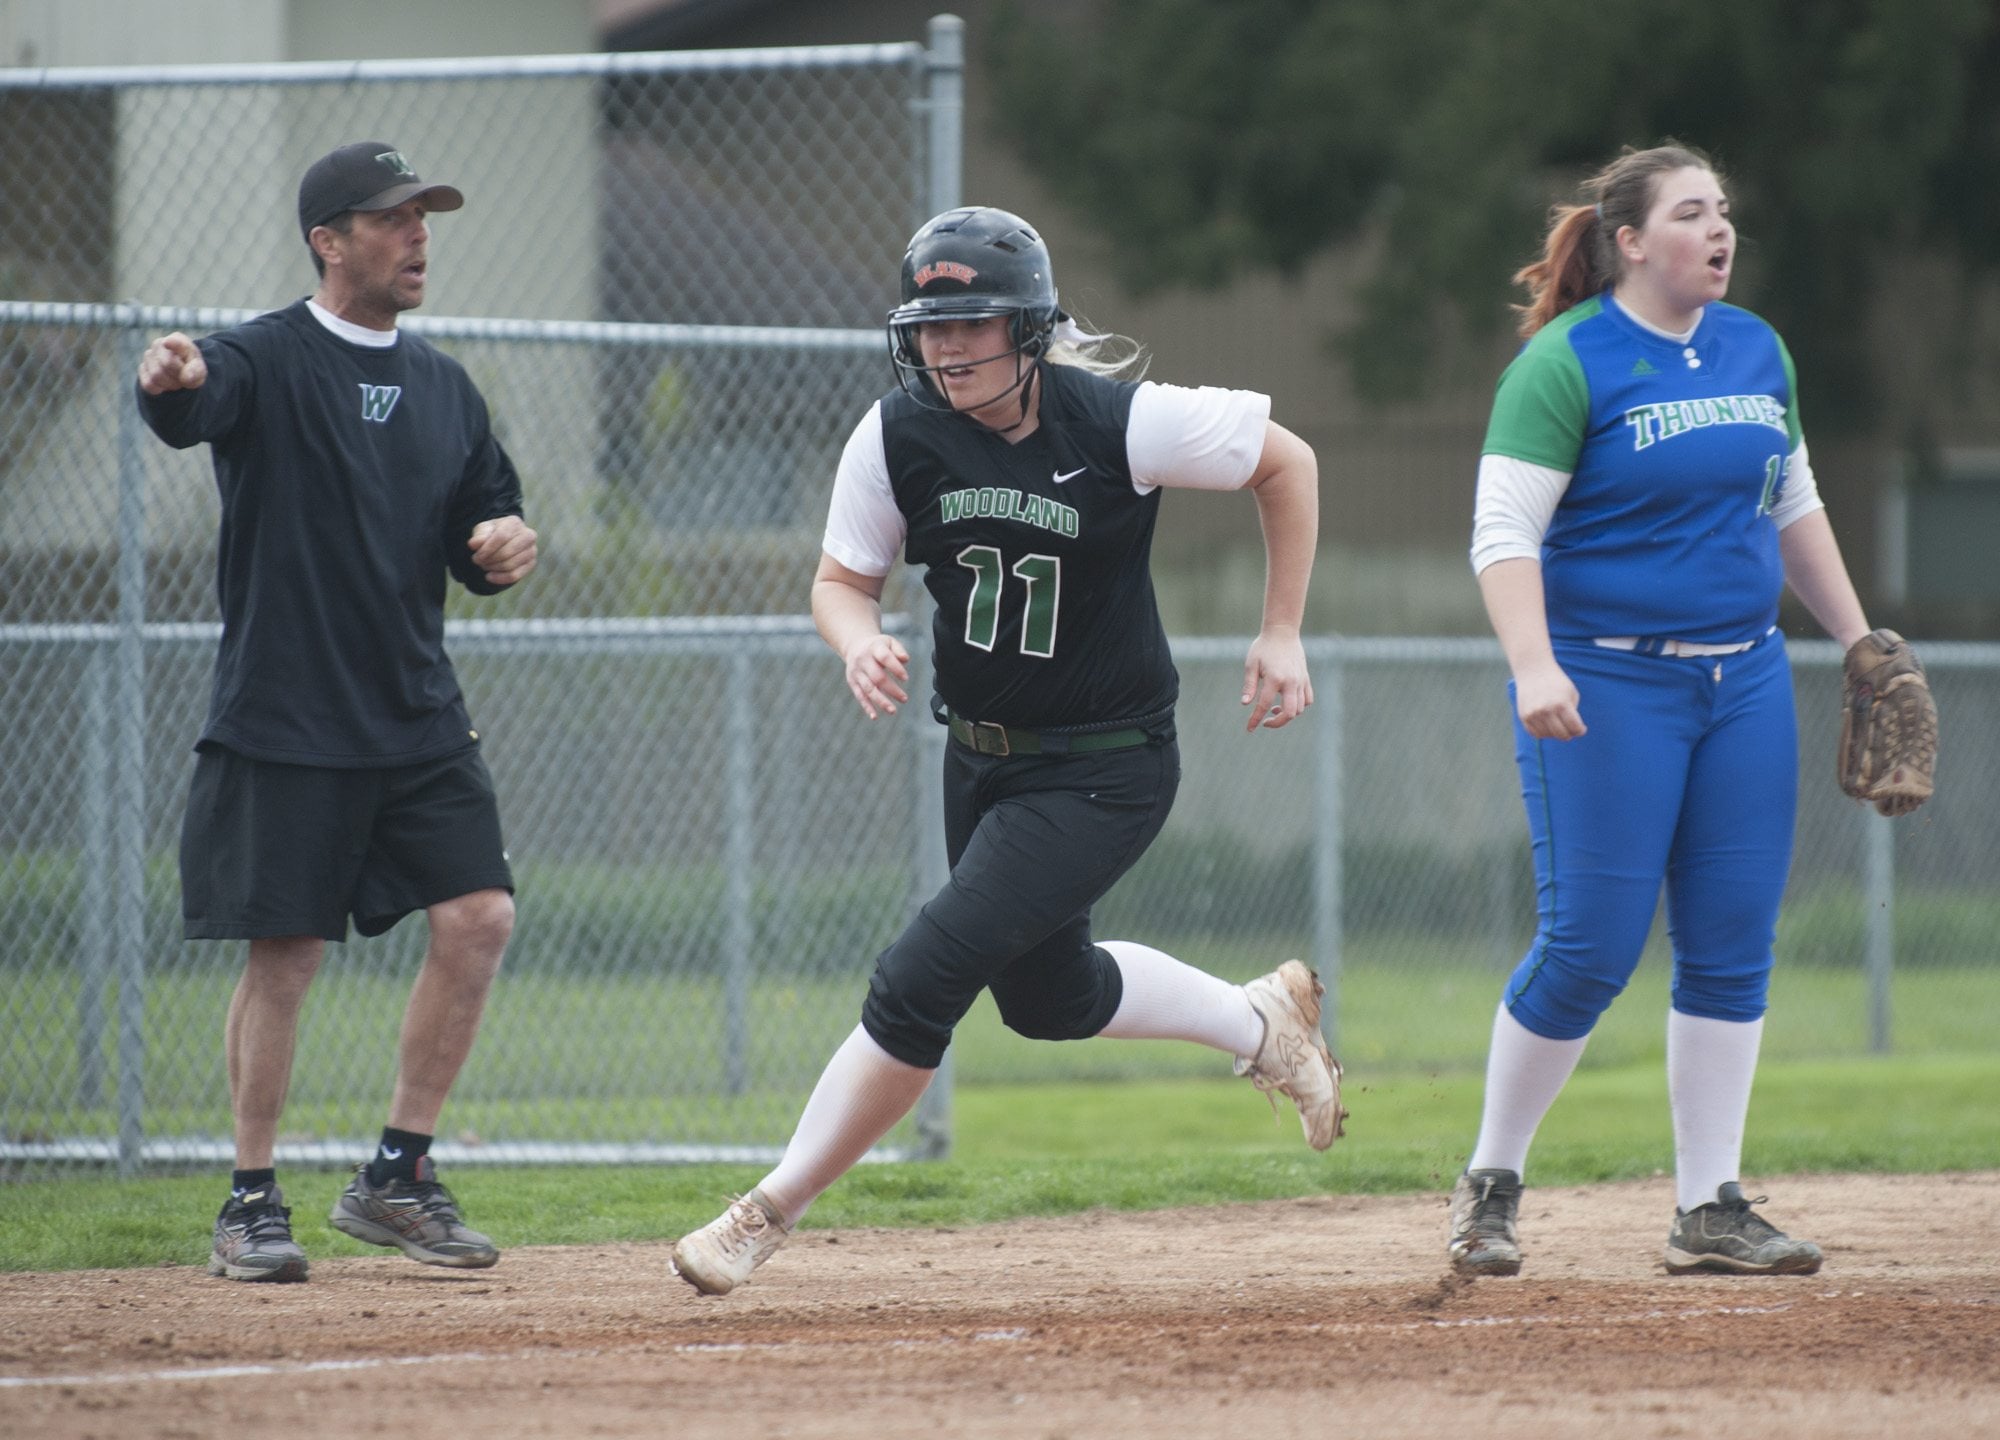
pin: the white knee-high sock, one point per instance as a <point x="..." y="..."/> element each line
<point x="861" y="1094"/>
<point x="1710" y="1066"/>
<point x="1524" y="1074"/>
<point x="1168" y="999"/>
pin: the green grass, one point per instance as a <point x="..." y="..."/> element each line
<point x="1058" y="1148"/>
<point x="1039" y="1129"/>
<point x="1403" y="1005"/>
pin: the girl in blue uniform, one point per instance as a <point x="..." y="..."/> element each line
<point x="1644" y="496"/>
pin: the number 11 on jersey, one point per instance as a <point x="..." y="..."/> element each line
<point x="1042" y="574"/>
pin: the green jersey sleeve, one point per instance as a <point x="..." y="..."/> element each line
<point x="1792" y="423"/>
<point x="1541" y="405"/>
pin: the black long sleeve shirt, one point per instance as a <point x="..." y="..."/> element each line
<point x="351" y="479"/>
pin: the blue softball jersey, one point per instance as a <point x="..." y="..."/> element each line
<point x="1677" y="453"/>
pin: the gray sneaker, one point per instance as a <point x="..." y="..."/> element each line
<point x="1293" y="1060"/>
<point x="1484" y="1207"/>
<point x="720" y="1256"/>
<point x="253" y="1239"/>
<point x="417" y="1217"/>
<point x="1726" y="1235"/>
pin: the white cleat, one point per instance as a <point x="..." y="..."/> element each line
<point x="720" y="1256"/>
<point x="1293" y="1060"/>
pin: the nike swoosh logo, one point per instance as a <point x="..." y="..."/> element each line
<point x="1059" y="478"/>
<point x="391" y="1153"/>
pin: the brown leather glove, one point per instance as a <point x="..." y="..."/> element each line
<point x="1888" y="725"/>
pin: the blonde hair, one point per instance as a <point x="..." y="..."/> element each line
<point x="1118" y="356"/>
<point x="1580" y="255"/>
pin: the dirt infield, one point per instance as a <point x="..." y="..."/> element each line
<point x="1330" y="1313"/>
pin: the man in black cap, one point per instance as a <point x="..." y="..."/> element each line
<point x="338" y="776"/>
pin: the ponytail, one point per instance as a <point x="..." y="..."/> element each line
<point x="1570" y="271"/>
<point x="1579" y="256"/>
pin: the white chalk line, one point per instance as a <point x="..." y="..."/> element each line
<point x="238" y="1372"/>
<point x="317" y="1367"/>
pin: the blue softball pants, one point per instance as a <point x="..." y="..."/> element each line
<point x="1688" y="776"/>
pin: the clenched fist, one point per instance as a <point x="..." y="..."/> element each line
<point x="505" y="549"/>
<point x="172" y="362"/>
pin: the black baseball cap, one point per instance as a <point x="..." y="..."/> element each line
<point x="367" y="175"/>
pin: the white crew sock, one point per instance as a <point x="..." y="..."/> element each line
<point x="1710" y="1066"/>
<point x="1524" y="1074"/>
<point x="1167" y="999"/>
<point x="861" y="1094"/>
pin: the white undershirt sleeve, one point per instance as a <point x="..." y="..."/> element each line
<point x="1801" y="496"/>
<point x="864" y="528"/>
<point x="1516" y="502"/>
<point x="1197" y="439"/>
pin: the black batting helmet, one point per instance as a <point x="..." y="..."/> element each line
<point x="971" y="264"/>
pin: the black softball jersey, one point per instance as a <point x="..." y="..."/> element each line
<point x="1037" y="552"/>
<point x="351" y="478"/>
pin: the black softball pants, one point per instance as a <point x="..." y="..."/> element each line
<point x="1034" y="841"/>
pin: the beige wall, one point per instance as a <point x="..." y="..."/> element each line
<point x="205" y="212"/>
<point x="191" y="32"/>
<point x="249" y="249"/>
<point x="427" y="29"/>
<point x="135" y="32"/>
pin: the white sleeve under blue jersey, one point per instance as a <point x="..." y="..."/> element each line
<point x="1681" y="458"/>
<point x="1516" y="501"/>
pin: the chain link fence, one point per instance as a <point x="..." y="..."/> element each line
<point x="692" y="256"/>
<point x="689" y="257"/>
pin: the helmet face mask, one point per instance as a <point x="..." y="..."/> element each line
<point x="972" y="264"/>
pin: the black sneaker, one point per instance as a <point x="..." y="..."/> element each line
<point x="1484" y="1204"/>
<point x="253" y="1239"/>
<point x="1726" y="1235"/>
<point x="417" y="1217"/>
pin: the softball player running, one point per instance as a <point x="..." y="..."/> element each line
<point x="1026" y="480"/>
<point x="1644" y="495"/>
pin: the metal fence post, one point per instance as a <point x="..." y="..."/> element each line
<point x="128" y="778"/>
<point x="929" y="867"/>
<point x="1329" y="863"/>
<point x="944" y="109"/>
<point x="740" y="848"/>
<point x="94" y="898"/>
<point x="931" y="873"/>
<point x="944" y="116"/>
<point x="1878" y="888"/>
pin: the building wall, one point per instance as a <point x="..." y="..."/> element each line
<point x="132" y="32"/>
<point x="200" y="203"/>
<point x="432" y="29"/>
<point x="204" y="32"/>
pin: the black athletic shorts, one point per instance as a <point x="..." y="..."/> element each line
<point x="272" y="850"/>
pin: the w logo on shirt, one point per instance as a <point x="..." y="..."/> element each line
<point x="378" y="400"/>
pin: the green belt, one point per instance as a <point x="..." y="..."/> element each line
<point x="990" y="739"/>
